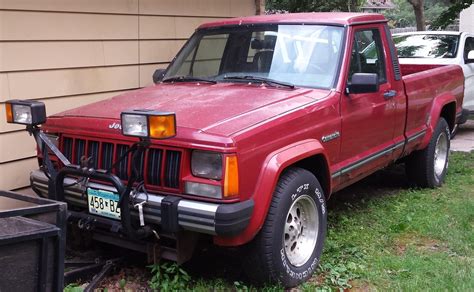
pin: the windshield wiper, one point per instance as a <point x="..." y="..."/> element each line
<point x="267" y="81"/>
<point x="188" y="79"/>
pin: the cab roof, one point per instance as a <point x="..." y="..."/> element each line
<point x="334" y="18"/>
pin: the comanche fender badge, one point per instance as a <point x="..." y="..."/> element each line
<point x="330" y="137"/>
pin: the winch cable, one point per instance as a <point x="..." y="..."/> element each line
<point x="133" y="148"/>
<point x="124" y="200"/>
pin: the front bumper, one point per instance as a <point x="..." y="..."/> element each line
<point x="202" y="217"/>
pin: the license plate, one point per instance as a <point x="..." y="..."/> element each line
<point x="103" y="203"/>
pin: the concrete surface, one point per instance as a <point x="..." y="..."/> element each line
<point x="464" y="140"/>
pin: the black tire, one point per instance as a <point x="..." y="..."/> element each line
<point x="420" y="165"/>
<point x="268" y="261"/>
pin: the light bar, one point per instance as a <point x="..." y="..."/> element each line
<point x="148" y="124"/>
<point x="25" y="112"/>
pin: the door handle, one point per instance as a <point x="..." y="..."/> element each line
<point x="389" y="94"/>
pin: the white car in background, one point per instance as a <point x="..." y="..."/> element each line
<point x="437" y="48"/>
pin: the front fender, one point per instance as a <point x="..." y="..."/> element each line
<point x="272" y="168"/>
<point x="439" y="103"/>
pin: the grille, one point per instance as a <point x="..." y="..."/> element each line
<point x="163" y="165"/>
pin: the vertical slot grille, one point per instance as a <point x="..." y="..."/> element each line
<point x="154" y="166"/>
<point x="122" y="167"/>
<point x="173" y="160"/>
<point x="93" y="152"/>
<point x="163" y="165"/>
<point x="107" y="155"/>
<point x="67" y="148"/>
<point x="80" y="150"/>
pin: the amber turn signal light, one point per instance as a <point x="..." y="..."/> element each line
<point x="231" y="177"/>
<point x="162" y="126"/>
<point x="8" y="110"/>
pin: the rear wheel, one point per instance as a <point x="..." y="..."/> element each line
<point x="427" y="167"/>
<point x="288" y="247"/>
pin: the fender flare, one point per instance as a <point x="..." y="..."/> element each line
<point x="439" y="103"/>
<point x="272" y="168"/>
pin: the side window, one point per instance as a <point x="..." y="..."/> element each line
<point x="469" y="46"/>
<point x="207" y="60"/>
<point x="367" y="54"/>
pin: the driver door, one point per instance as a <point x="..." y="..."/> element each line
<point x="368" y="119"/>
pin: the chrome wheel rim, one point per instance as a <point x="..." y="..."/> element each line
<point x="301" y="230"/>
<point x="441" y="154"/>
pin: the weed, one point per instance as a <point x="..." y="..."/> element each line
<point x="73" y="287"/>
<point x="168" y="277"/>
<point x="122" y="283"/>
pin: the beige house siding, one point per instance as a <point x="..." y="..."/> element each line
<point x="72" y="52"/>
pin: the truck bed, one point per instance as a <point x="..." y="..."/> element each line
<point x="422" y="86"/>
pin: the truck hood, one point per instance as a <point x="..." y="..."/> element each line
<point x="222" y="109"/>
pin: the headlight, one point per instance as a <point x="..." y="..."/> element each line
<point x="135" y="125"/>
<point x="25" y="112"/>
<point x="148" y="124"/>
<point x="206" y="164"/>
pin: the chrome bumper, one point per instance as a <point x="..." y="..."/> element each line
<point x="202" y="217"/>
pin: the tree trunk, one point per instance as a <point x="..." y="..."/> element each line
<point x="419" y="14"/>
<point x="259" y="7"/>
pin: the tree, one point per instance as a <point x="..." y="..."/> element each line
<point x="419" y="13"/>
<point x="313" y="5"/>
<point x="402" y="15"/>
<point x="448" y="16"/>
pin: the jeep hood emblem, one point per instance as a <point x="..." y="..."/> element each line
<point x="115" y="126"/>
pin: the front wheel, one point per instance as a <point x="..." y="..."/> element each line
<point x="288" y="247"/>
<point x="428" y="167"/>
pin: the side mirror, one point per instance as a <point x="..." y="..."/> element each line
<point x="363" y="83"/>
<point x="470" y="57"/>
<point x="158" y="75"/>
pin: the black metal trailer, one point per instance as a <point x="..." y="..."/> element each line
<point x="32" y="243"/>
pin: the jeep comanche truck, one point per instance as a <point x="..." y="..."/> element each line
<point x="244" y="137"/>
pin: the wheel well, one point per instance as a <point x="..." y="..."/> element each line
<point x="317" y="165"/>
<point x="449" y="114"/>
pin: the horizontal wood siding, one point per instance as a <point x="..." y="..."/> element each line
<point x="70" y="53"/>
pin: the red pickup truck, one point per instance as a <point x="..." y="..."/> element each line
<point x="245" y="136"/>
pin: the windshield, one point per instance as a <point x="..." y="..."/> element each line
<point x="302" y="55"/>
<point x="426" y="45"/>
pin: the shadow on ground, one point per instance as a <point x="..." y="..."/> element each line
<point x="215" y="263"/>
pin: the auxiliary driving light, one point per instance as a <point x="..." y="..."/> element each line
<point x="148" y="124"/>
<point x="25" y="112"/>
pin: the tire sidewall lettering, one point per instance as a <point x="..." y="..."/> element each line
<point x="305" y="271"/>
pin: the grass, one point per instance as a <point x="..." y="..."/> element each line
<point x="383" y="235"/>
<point x="397" y="238"/>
